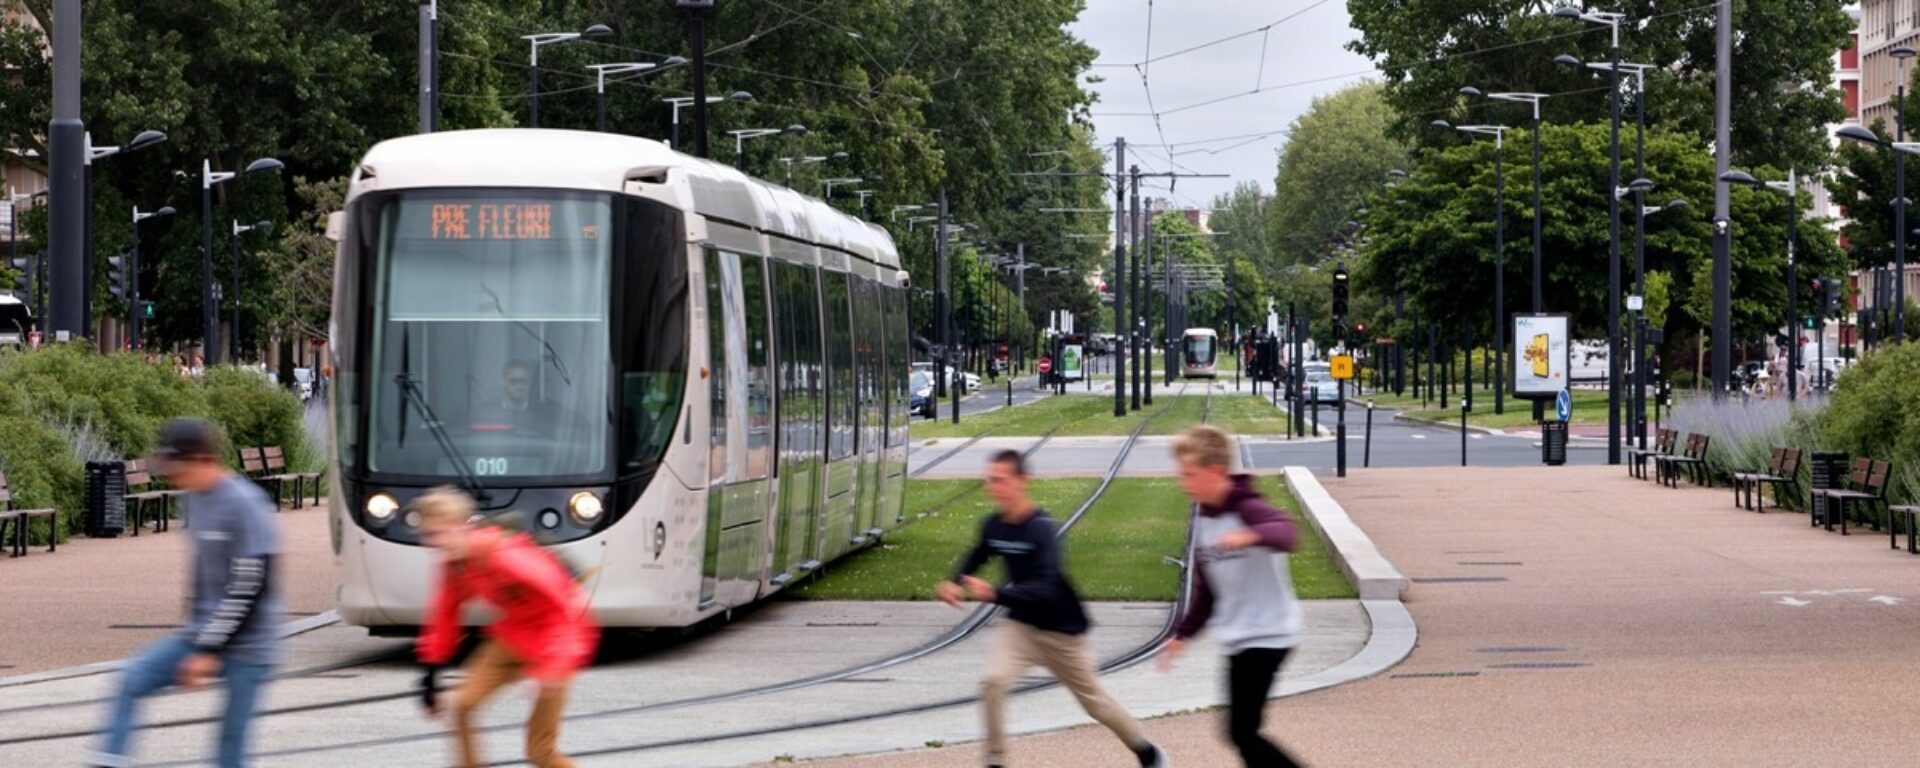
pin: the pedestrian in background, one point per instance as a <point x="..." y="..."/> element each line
<point x="1242" y="587"/>
<point x="543" y="633"/>
<point x="233" y="629"/>
<point x="1048" y="624"/>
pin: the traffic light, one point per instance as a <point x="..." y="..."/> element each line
<point x="1340" y="291"/>
<point x="146" y="309"/>
<point x="23" y="277"/>
<point x="1834" y="296"/>
<point x="117" y="275"/>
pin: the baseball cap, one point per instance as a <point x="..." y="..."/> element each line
<point x="182" y="439"/>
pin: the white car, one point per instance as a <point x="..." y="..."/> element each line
<point x="1320" y="387"/>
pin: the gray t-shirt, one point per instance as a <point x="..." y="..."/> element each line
<point x="235" y="606"/>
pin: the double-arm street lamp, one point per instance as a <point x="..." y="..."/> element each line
<point x="600" y="72"/>
<point x="808" y="160"/>
<point x="141" y="140"/>
<point x="740" y="141"/>
<point x="1498" y="132"/>
<point x="133" y="274"/>
<point x="681" y="102"/>
<point x="1791" y="188"/>
<point x="534" y="41"/>
<point x="210" y="341"/>
<point x="1533" y="100"/>
<point x="1901" y="149"/>
<point x="233" y="343"/>
<point x="829" y="184"/>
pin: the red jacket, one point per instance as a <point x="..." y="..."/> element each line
<point x="543" y="612"/>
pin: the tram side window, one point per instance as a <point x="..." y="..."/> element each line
<point x="759" y="395"/>
<point x="840" y="403"/>
<point x="873" y="335"/>
<point x="719" y="308"/>
<point x="897" y="348"/>
<point x="654" y="337"/>
<point x="797" y="306"/>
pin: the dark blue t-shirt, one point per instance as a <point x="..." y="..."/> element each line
<point x="235" y="606"/>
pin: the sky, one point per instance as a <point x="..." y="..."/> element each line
<point x="1304" y="56"/>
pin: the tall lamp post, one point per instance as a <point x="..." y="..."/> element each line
<point x="1903" y="54"/>
<point x="1638" y="307"/>
<point x="133" y="274"/>
<point x="1902" y="148"/>
<point x="534" y="41"/>
<point x="740" y="141"/>
<point x="600" y="72"/>
<point x="680" y="102"/>
<point x="1791" y="189"/>
<point x="808" y="160"/>
<point x="233" y="342"/>
<point x="1498" y="132"/>
<point x="210" y="315"/>
<point x="141" y="141"/>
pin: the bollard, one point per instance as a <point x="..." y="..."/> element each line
<point x="1464" y="408"/>
<point x="1314" y="411"/>
<point x="1009" y="391"/>
<point x="1366" y="451"/>
<point x="1340" y="430"/>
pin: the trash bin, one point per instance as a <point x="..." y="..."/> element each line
<point x="1553" y="442"/>
<point x="1825" y="469"/>
<point x="106" y="499"/>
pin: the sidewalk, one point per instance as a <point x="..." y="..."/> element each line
<point x="1575" y="617"/>
<point x="101" y="599"/>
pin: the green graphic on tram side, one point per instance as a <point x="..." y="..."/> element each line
<point x="1070" y="362"/>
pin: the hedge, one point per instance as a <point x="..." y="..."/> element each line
<point x="1875" y="412"/>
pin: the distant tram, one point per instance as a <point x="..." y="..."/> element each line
<point x="690" y="384"/>
<point x="1199" y="352"/>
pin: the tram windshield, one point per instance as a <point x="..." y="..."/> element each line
<point x="1200" y="350"/>
<point x="490" y="335"/>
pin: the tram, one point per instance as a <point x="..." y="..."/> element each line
<point x="1199" y="350"/>
<point x="689" y="384"/>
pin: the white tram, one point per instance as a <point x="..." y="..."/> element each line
<point x="690" y="383"/>
<point x="1199" y="350"/>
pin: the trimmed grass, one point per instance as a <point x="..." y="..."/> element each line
<point x="1115" y="553"/>
<point x="1589" y="407"/>
<point x="1092" y="415"/>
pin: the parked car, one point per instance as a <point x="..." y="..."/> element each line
<point x="303" y="383"/>
<point x="920" y="393"/>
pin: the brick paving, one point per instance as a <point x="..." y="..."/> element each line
<point x="1581" y="618"/>
<point x="100" y="599"/>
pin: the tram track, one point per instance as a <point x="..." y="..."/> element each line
<point x="961" y="630"/>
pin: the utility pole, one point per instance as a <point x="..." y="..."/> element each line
<point x="1722" y="327"/>
<point x="66" y="141"/>
<point x="430" y="66"/>
<point x="940" y="299"/>
<point x="1020" y="289"/>
<point x="1119" y="275"/>
<point x="1140" y="307"/>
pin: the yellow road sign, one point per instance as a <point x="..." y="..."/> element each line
<point x="1343" y="366"/>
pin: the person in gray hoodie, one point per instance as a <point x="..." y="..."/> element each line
<point x="1242" y="588"/>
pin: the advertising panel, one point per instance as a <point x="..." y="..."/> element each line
<point x="1541" y="363"/>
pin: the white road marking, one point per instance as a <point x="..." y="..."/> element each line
<point x="1793" y="601"/>
<point x="1884" y="600"/>
<point x="1419" y="437"/>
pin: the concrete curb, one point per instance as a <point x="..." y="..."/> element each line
<point x="289" y="629"/>
<point x="1390" y="642"/>
<point x="1446" y="426"/>
<point x="1373" y="577"/>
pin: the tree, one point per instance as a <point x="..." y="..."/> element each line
<point x="1336" y="156"/>
<point x="1782" y="64"/>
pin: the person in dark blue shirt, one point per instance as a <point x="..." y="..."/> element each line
<point x="1048" y="624"/>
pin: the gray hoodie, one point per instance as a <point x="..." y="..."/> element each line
<point x="1245" y="595"/>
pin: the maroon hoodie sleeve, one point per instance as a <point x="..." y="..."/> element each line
<point x="1277" y="530"/>
<point x="1199" y="607"/>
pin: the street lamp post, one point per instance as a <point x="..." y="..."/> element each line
<point x="740" y="141"/>
<point x="678" y="102"/>
<point x="600" y="72"/>
<point x="808" y="160"/>
<point x="233" y="343"/>
<point x="829" y="184"/>
<point x="1902" y="54"/>
<point x="1902" y="148"/>
<point x="141" y="141"/>
<point x="1790" y="187"/>
<point x="1498" y="132"/>
<point x="534" y="42"/>
<point x="133" y="274"/>
<point x="210" y="341"/>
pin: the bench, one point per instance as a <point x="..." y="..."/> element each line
<point x="1783" y="472"/>
<point x="268" y="464"/>
<point x="137" y="479"/>
<point x="19" y="518"/>
<point x="1693" y="461"/>
<point x="1897" y="514"/>
<point x="1637" y="457"/>
<point x="1866" y="485"/>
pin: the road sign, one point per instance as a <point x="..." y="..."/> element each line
<point x="1563" y="406"/>
<point x="1046" y="365"/>
<point x="1342" y="366"/>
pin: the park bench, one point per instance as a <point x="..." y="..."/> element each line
<point x="18" y="519"/>
<point x="268" y="464"/>
<point x="1637" y="458"/>
<point x="1693" y="461"/>
<point x="1782" y="473"/>
<point x="1908" y="514"/>
<point x="1866" y="485"/>
<point x="140" y="491"/>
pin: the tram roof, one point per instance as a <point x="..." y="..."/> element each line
<point x="558" y="159"/>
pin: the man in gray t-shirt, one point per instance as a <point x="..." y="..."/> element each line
<point x="234" y="609"/>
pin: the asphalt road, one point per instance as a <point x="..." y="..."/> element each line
<point x="1399" y="444"/>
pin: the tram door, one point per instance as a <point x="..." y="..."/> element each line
<point x="801" y="415"/>
<point x="893" y="383"/>
<point x="740" y="400"/>
<point x="837" y="518"/>
<point x="869" y="340"/>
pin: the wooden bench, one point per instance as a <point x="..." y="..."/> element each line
<point x="1898" y="514"/>
<point x="19" y="518"/>
<point x="1637" y="457"/>
<point x="137" y="479"/>
<point x="1866" y="485"/>
<point x="1693" y="461"/>
<point x="1783" y="472"/>
<point x="268" y="464"/>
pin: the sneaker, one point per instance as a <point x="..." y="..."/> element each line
<point x="1151" y="757"/>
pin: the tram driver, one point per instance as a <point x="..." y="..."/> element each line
<point x="518" y="410"/>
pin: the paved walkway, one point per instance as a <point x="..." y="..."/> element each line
<point x="1575" y="617"/>
<point x="100" y="599"/>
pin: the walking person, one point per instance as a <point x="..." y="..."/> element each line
<point x="1242" y="587"/>
<point x="543" y="631"/>
<point x="233" y="630"/>
<point x="1048" y="626"/>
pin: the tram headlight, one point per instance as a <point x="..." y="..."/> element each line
<point x="381" y="506"/>
<point x="585" y="508"/>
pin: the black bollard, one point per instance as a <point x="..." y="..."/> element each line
<point x="1366" y="451"/>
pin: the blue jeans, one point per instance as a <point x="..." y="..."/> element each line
<point x="158" y="666"/>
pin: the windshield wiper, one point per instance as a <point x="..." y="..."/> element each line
<point x="547" y="351"/>
<point x="468" y="479"/>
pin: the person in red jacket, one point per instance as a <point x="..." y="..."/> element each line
<point x="543" y="631"/>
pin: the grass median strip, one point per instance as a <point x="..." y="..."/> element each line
<point x="1092" y="415"/>
<point x="1115" y="553"/>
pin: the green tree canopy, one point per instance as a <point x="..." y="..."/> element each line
<point x="1337" y="155"/>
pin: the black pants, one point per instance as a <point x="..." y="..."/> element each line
<point x="1250" y="675"/>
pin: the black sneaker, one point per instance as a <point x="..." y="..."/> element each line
<point x="1151" y="757"/>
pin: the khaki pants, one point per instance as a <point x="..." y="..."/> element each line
<point x="1019" y="647"/>
<point x="493" y="666"/>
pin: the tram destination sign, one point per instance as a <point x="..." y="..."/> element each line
<point x="496" y="221"/>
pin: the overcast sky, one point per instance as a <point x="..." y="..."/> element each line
<point x="1307" y="47"/>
